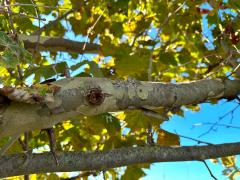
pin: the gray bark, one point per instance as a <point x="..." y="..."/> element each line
<point x="55" y="44"/>
<point x="18" y="164"/>
<point x="92" y="96"/>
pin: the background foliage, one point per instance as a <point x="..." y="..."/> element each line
<point x="167" y="41"/>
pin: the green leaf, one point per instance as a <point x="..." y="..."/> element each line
<point x="46" y="71"/>
<point x="105" y="121"/>
<point x="136" y="120"/>
<point x="167" y="58"/>
<point x="128" y="63"/>
<point x="94" y="69"/>
<point x="133" y="173"/>
<point x="117" y="29"/>
<point x="5" y="40"/>
<point x="8" y="60"/>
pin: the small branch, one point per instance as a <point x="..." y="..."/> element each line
<point x="193" y="139"/>
<point x="10" y="16"/>
<point x="39" y="5"/>
<point x="12" y="165"/>
<point x="53" y="23"/>
<point x="19" y="14"/>
<point x="24" y="145"/>
<point x="219" y="120"/>
<point x="6" y="146"/>
<point x="159" y="30"/>
<point x="209" y="170"/>
<point x="222" y="125"/>
<point x="91" y="28"/>
<point x="39" y="24"/>
<point x="55" y="44"/>
<point x="20" y="73"/>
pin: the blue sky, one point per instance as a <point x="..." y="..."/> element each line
<point x="184" y="126"/>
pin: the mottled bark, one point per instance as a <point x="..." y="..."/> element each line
<point x="18" y="164"/>
<point x="92" y="96"/>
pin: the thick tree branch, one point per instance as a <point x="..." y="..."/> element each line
<point x="91" y="96"/>
<point x="17" y="164"/>
<point x="55" y="44"/>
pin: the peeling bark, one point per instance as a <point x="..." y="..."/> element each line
<point x="92" y="96"/>
<point x="18" y="164"/>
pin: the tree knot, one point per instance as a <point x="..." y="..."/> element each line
<point x="95" y="96"/>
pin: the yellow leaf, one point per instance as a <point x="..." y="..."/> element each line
<point x="215" y="161"/>
<point x="67" y="125"/>
<point x="229" y="161"/>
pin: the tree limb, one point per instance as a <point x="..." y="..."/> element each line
<point x="55" y="44"/>
<point x="75" y="97"/>
<point x="16" y="164"/>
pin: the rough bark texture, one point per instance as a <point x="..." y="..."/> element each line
<point x="92" y="96"/>
<point x="55" y="44"/>
<point x="18" y="164"/>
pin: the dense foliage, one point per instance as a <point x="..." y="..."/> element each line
<point x="167" y="41"/>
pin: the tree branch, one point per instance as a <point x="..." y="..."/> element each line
<point x="17" y="164"/>
<point x="55" y="44"/>
<point x="75" y="97"/>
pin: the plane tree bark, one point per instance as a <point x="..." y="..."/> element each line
<point x="29" y="109"/>
<point x="18" y="164"/>
<point x="55" y="44"/>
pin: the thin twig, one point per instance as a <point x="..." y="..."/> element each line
<point x="34" y="5"/>
<point x="234" y="71"/>
<point x="91" y="28"/>
<point x="193" y="139"/>
<point x="159" y="30"/>
<point x="219" y="119"/>
<point x="52" y="23"/>
<point x="20" y="15"/>
<point x="156" y="115"/>
<point x="20" y="73"/>
<point x="219" y="124"/>
<point x="14" y="32"/>
<point x="149" y="131"/>
<point x="24" y="145"/>
<point x="209" y="170"/>
<point x="6" y="146"/>
<point x="220" y="66"/>
<point x="10" y="17"/>
<point x="39" y="24"/>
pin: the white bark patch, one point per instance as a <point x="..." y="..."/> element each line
<point x="131" y="92"/>
<point x="142" y="92"/>
<point x="33" y="39"/>
<point x="211" y="94"/>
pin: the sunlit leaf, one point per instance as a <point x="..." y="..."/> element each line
<point x="167" y="139"/>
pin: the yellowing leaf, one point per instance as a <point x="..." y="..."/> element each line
<point x="229" y="161"/>
<point x="167" y="139"/>
<point x="67" y="125"/>
<point x="215" y="161"/>
<point x="133" y="172"/>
